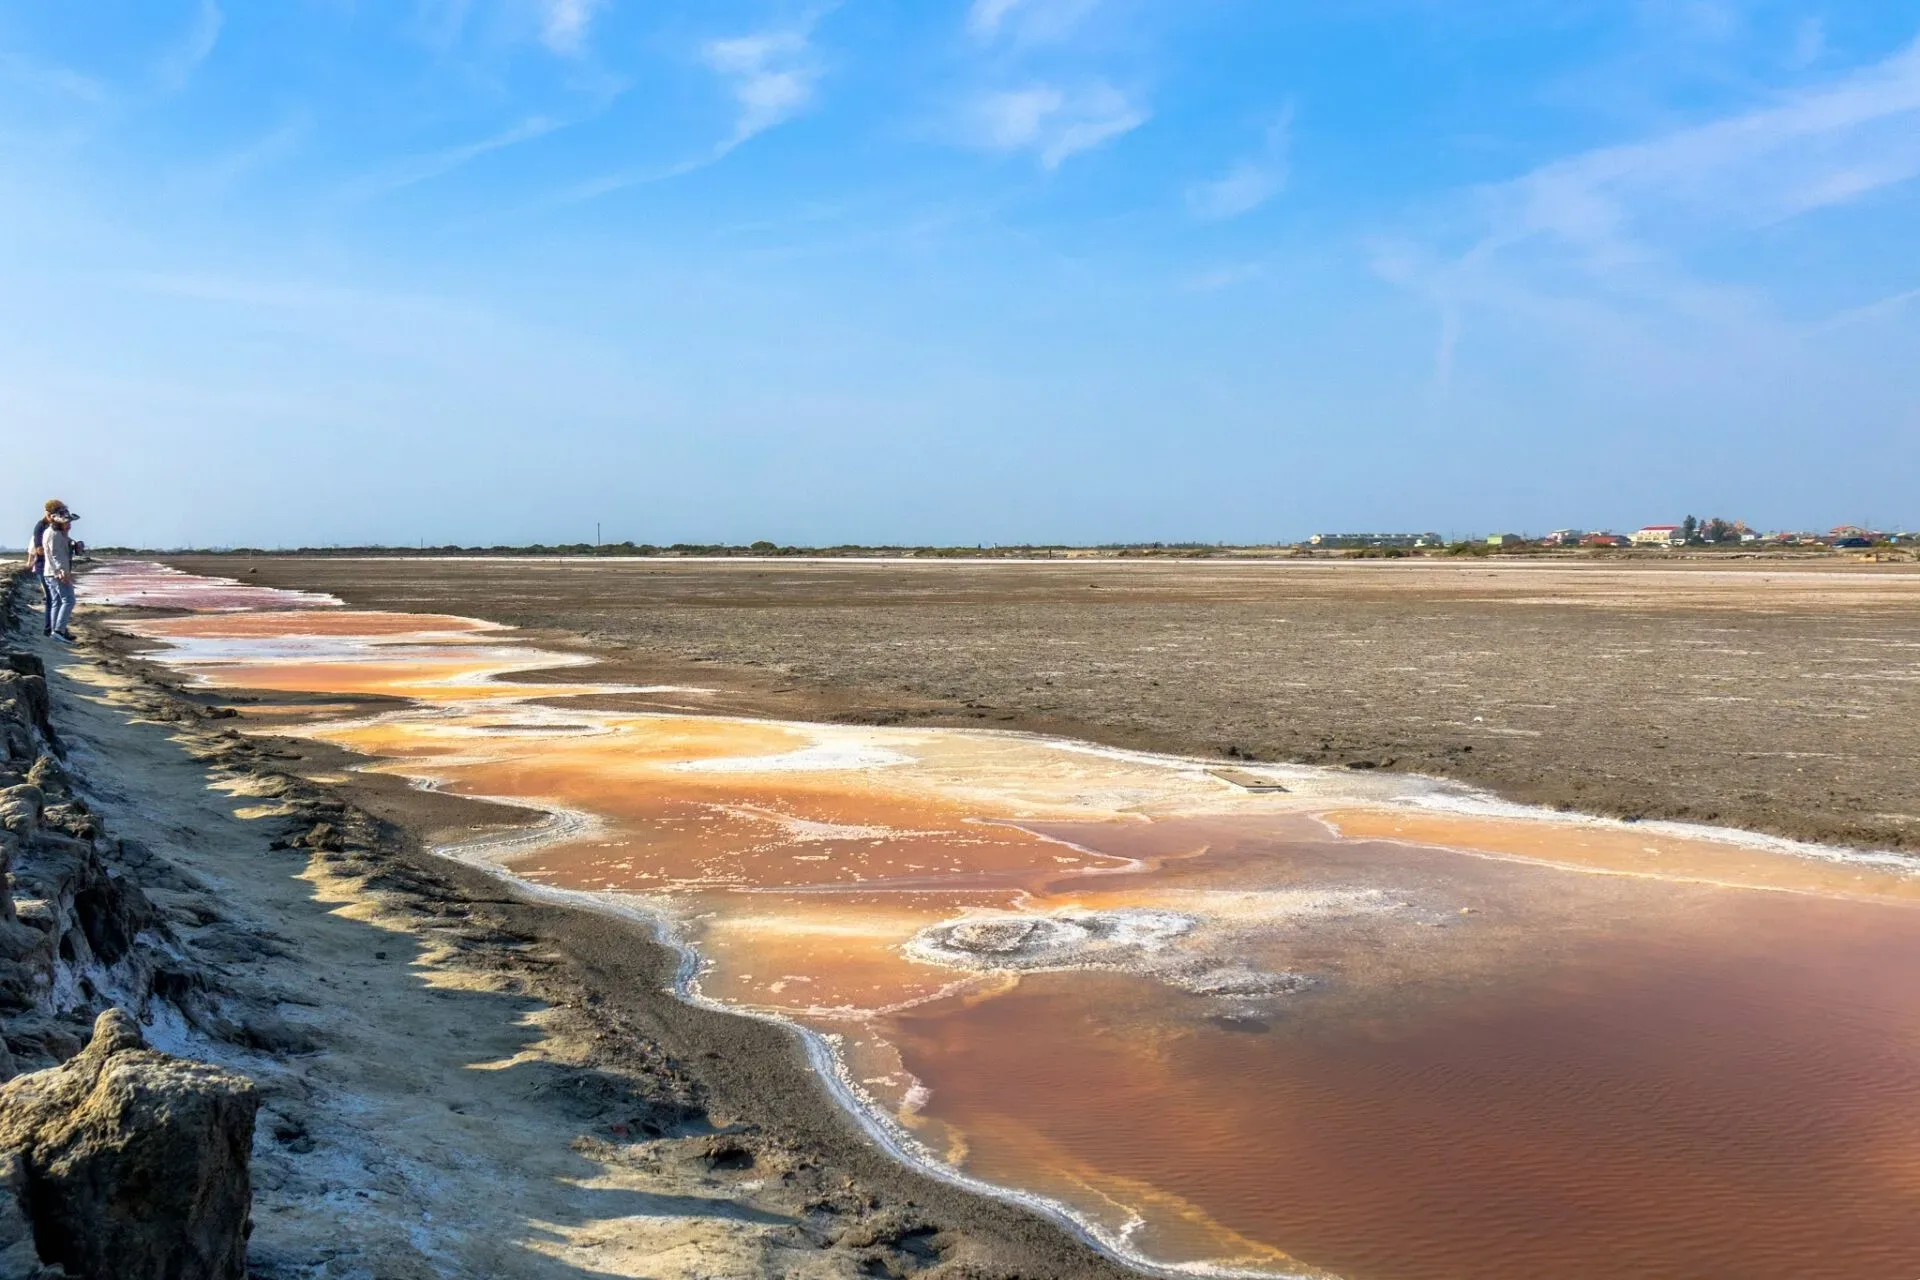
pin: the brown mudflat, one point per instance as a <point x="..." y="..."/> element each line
<point x="1781" y="697"/>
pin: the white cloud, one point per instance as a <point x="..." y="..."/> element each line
<point x="773" y="77"/>
<point x="1250" y="182"/>
<point x="1013" y="118"/>
<point x="772" y="74"/>
<point x="434" y="164"/>
<point x="177" y="65"/>
<point x="1030" y="20"/>
<point x="1215" y="279"/>
<point x="1706" y="20"/>
<point x="564" y="24"/>
<point x="52" y="80"/>
<point x="1241" y="189"/>
<point x="215" y="176"/>
<point x="1883" y="309"/>
<point x="985" y="17"/>
<point x="1821" y="147"/>
<point x="1606" y="248"/>
<point x="1052" y="122"/>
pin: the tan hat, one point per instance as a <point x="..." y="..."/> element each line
<point x="54" y="504"/>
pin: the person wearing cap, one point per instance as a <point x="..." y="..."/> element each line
<point x="36" y="559"/>
<point x="56" y="566"/>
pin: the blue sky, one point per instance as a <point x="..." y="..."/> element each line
<point x="987" y="271"/>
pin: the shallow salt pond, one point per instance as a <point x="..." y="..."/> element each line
<point x="1372" y="1027"/>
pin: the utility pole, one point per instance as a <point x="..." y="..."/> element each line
<point x="596" y="535"/>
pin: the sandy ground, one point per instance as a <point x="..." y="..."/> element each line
<point x="1777" y="696"/>
<point x="469" y="1084"/>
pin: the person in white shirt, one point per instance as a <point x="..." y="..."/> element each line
<point x="56" y="567"/>
<point x="35" y="565"/>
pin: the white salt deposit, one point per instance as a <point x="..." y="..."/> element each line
<point x="821" y="757"/>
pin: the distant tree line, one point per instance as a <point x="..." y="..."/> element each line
<point x="613" y="549"/>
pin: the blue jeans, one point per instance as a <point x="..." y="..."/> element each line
<point x="59" y="602"/>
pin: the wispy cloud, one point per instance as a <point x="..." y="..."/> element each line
<point x="1882" y="309"/>
<point x="1215" y="279"/>
<point x="1250" y="182"/>
<point x="1712" y="20"/>
<point x="1821" y="147"/>
<point x="434" y="164"/>
<point x="177" y="65"/>
<point x="52" y="79"/>
<point x="1598" y="245"/>
<point x="564" y="24"/>
<point x="216" y="176"/>
<point x="1052" y="122"/>
<point x="773" y="76"/>
<point x="1030" y="20"/>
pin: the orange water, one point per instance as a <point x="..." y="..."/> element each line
<point x="1319" y="1032"/>
<point x="1645" y="1081"/>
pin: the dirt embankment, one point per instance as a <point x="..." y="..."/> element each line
<point x="115" y="1160"/>
<point x="1779" y="697"/>
<point x="451" y="1081"/>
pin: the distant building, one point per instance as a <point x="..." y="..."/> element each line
<point x="1504" y="539"/>
<point x="1351" y="541"/>
<point x="1603" y="540"/>
<point x="1563" y="538"/>
<point x="1657" y="535"/>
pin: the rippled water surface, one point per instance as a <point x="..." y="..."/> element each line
<point x="1367" y="1027"/>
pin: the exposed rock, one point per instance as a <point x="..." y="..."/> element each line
<point x="134" y="1162"/>
<point x="20" y="809"/>
<point x="323" y="836"/>
<point x="70" y="917"/>
<point x="19" y="1260"/>
<point x="23" y="682"/>
<point x="47" y="775"/>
